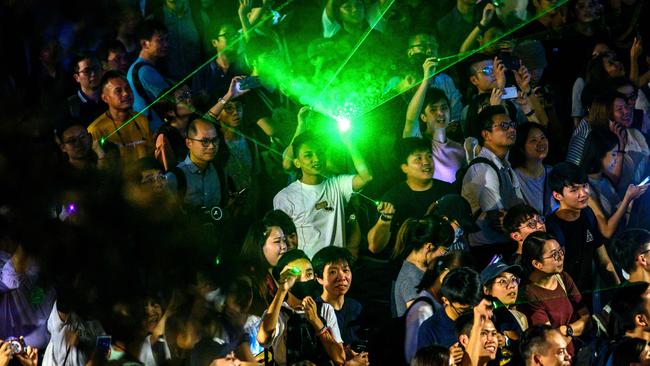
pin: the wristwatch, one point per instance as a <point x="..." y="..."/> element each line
<point x="569" y="331"/>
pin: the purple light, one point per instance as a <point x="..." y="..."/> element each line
<point x="72" y="207"/>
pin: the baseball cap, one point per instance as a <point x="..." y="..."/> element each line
<point x="494" y="269"/>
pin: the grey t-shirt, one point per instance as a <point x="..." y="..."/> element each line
<point x="404" y="291"/>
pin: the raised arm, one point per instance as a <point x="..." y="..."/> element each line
<point x="412" y="124"/>
<point x="470" y="41"/>
<point x="270" y="318"/>
<point x="364" y="174"/>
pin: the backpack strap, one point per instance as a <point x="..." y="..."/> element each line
<point x="490" y="163"/>
<point x="137" y="84"/>
<point x="181" y="183"/>
<point x="560" y="281"/>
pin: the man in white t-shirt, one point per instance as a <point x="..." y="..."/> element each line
<point x="316" y="203"/>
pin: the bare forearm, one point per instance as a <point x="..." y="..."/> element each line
<point x="580" y="324"/>
<point x="378" y="236"/>
<point x="412" y="127"/>
<point x="270" y="319"/>
<point x="470" y="40"/>
<point x="334" y="350"/>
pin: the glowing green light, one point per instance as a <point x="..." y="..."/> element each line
<point x="102" y="141"/>
<point x="217" y="260"/>
<point x="343" y="124"/>
<point x="295" y="271"/>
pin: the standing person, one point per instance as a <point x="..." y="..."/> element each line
<point x="132" y="136"/>
<point x="519" y="222"/>
<point x="419" y="243"/>
<point x="631" y="249"/>
<point x="551" y="296"/>
<point x="86" y="104"/>
<point x="527" y="159"/>
<point x="576" y="229"/>
<point x="184" y="41"/>
<point x="316" y="203"/>
<point x="491" y="187"/>
<point x="144" y="76"/>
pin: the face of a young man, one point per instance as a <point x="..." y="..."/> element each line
<point x="503" y="132"/>
<point x="89" y="74"/>
<point x="574" y="197"/>
<point x="532" y="224"/>
<point x="489" y="340"/>
<point x="352" y="12"/>
<point x="117" y="94"/>
<point x="117" y="60"/>
<point x="204" y="145"/>
<point x="483" y="77"/>
<point x="419" y="166"/>
<point x="424" y="44"/>
<point x="232" y="114"/>
<point x="310" y="159"/>
<point x="556" y="353"/>
<point x="157" y="45"/>
<point x="337" y="278"/>
<point x="436" y="115"/>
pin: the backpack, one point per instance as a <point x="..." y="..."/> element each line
<point x="139" y="88"/>
<point x="460" y="175"/>
<point x="302" y="342"/>
<point x="386" y="347"/>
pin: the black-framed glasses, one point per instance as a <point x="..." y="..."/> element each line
<point x="207" y="142"/>
<point x="533" y="222"/>
<point x="505" y="126"/>
<point x="506" y="282"/>
<point x="90" y="70"/>
<point x="557" y="255"/>
<point x="76" y="139"/>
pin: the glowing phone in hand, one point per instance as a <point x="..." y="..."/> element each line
<point x="645" y="181"/>
<point x="509" y="92"/>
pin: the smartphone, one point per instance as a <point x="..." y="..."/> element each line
<point x="103" y="345"/>
<point x="646" y="180"/>
<point x="249" y="82"/>
<point x="509" y="92"/>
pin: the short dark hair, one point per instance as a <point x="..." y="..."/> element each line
<point x="533" y="249"/>
<point x="110" y="75"/>
<point x="216" y="27"/>
<point x="288" y="257"/>
<point x="80" y="56"/>
<point x="433" y="355"/>
<point x="305" y="138"/>
<point x="433" y="96"/>
<point x="148" y="28"/>
<point x="191" y="129"/>
<point x="462" y="285"/>
<point x="627" y="246"/>
<point x="566" y="174"/>
<point x="486" y="118"/>
<point x="516" y="216"/>
<point x="464" y="324"/>
<point x="448" y="261"/>
<point x="411" y="145"/>
<point x="534" y="341"/>
<point x="629" y="303"/>
<point x="517" y="155"/>
<point x="329" y="255"/>
<point x="628" y="351"/>
<point x="599" y="143"/>
<point x="108" y="46"/>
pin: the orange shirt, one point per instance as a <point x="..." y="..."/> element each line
<point x="134" y="140"/>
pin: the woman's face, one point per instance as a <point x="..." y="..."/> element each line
<point x="622" y="112"/>
<point x="611" y="160"/>
<point x="552" y="260"/>
<point x="274" y="246"/>
<point x="586" y="10"/>
<point x="536" y="147"/>
<point x="613" y="66"/>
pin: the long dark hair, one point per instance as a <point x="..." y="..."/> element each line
<point x="415" y="233"/>
<point x="251" y="251"/>
<point x="517" y="154"/>
<point x="533" y="249"/>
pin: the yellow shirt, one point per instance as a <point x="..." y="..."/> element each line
<point x="134" y="140"/>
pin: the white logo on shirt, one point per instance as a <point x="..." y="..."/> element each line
<point x="590" y="237"/>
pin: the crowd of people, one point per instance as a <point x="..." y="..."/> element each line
<point x="178" y="189"/>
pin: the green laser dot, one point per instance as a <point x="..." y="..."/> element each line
<point x="102" y="141"/>
<point x="217" y="260"/>
<point x="295" y="271"/>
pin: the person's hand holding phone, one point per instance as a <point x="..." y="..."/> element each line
<point x="522" y="77"/>
<point x="499" y="70"/>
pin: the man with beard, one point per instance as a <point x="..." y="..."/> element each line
<point x="490" y="184"/>
<point x="85" y="105"/>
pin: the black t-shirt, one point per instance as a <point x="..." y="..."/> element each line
<point x="580" y="238"/>
<point x="347" y="319"/>
<point x="409" y="203"/>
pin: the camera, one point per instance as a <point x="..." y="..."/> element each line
<point x="17" y="346"/>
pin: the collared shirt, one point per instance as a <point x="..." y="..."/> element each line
<point x="482" y="188"/>
<point x="84" y="109"/>
<point x="203" y="186"/>
<point x="134" y="139"/>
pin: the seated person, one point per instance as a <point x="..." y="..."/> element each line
<point x="295" y="276"/>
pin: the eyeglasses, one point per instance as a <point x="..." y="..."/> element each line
<point x="505" y="126"/>
<point x="228" y="34"/>
<point x="424" y="45"/>
<point x="506" y="282"/>
<point x="74" y="140"/>
<point x="154" y="179"/>
<point x="487" y="70"/>
<point x="532" y="223"/>
<point x="557" y="255"/>
<point x="89" y="71"/>
<point x="207" y="142"/>
<point x="459" y="312"/>
<point x="231" y="107"/>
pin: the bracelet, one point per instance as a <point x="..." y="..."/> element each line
<point x="532" y="111"/>
<point x="212" y="114"/>
<point x="385" y="218"/>
<point x="222" y="101"/>
<point x="322" y="331"/>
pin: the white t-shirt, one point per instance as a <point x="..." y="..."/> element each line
<point x="279" y="337"/>
<point x="317" y="211"/>
<point x="55" y="353"/>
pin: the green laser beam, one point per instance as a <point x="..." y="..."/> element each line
<point x="477" y="50"/>
<point x="356" y="48"/>
<point x="191" y="74"/>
